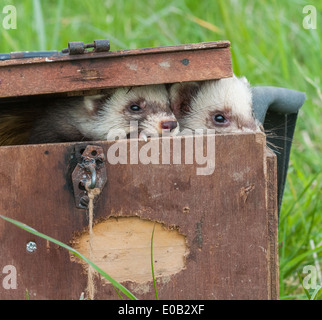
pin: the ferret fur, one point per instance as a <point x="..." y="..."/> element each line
<point x="195" y="104"/>
<point x="93" y="117"/>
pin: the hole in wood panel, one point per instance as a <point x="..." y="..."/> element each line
<point x="122" y="248"/>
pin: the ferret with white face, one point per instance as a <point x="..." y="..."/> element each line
<point x="95" y="117"/>
<point x="224" y="105"/>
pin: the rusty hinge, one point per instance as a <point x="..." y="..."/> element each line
<point x="78" y="47"/>
<point x="91" y="168"/>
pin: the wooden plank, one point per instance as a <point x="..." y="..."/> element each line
<point x="272" y="210"/>
<point x="93" y="71"/>
<point x="223" y="217"/>
<point x="132" y="52"/>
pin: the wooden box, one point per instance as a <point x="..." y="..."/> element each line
<point x="215" y="234"/>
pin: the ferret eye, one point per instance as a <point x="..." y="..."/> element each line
<point x="219" y="119"/>
<point x="135" y="108"/>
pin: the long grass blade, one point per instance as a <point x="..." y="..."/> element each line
<point x="305" y="290"/>
<point x="74" y="252"/>
<point x="39" y="25"/>
<point x="314" y="295"/>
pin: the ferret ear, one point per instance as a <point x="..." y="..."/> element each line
<point x="94" y="103"/>
<point x="181" y="95"/>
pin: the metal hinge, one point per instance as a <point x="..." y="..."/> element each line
<point x="92" y="171"/>
<point x="76" y="47"/>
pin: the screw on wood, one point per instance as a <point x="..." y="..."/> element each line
<point x="31" y="246"/>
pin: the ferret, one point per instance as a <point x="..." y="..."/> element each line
<point x="95" y="117"/>
<point x="224" y="105"/>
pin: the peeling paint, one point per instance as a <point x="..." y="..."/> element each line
<point x="165" y="64"/>
<point x="132" y="66"/>
<point x="127" y="257"/>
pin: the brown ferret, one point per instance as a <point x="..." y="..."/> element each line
<point x="224" y="105"/>
<point x="95" y="117"/>
<point x="15" y="123"/>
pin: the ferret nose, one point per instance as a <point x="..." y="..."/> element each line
<point x="170" y="125"/>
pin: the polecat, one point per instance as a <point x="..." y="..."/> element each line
<point x="224" y="105"/>
<point x="93" y="117"/>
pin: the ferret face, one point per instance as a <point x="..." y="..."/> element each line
<point x="148" y="106"/>
<point x="224" y="105"/>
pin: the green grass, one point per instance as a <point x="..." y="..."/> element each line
<point x="269" y="46"/>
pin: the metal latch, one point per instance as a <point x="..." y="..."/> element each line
<point x="91" y="170"/>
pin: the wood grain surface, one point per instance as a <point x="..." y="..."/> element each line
<point x="228" y="219"/>
<point x="94" y="71"/>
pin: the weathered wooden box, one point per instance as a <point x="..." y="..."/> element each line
<point x="215" y="234"/>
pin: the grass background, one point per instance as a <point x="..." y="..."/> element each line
<point x="269" y="46"/>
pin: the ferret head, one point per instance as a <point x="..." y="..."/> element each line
<point x="224" y="105"/>
<point x="147" y="106"/>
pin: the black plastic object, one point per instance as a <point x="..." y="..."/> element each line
<point x="277" y="109"/>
